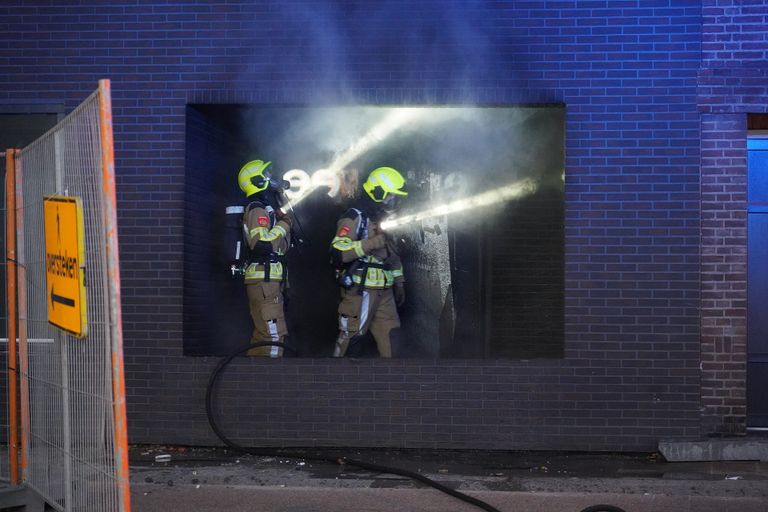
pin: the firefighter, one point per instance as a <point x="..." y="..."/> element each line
<point x="268" y="234"/>
<point x="369" y="270"/>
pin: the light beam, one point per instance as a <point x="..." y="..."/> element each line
<point x="380" y="131"/>
<point x="514" y="190"/>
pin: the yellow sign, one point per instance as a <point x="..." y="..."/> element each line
<point x="64" y="263"/>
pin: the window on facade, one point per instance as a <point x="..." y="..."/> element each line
<point x="483" y="250"/>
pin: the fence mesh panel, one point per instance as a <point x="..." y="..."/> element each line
<point x="72" y="455"/>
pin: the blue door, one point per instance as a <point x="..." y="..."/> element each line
<point x="757" y="284"/>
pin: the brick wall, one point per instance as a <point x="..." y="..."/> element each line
<point x="627" y="72"/>
<point x="732" y="82"/>
<point x="528" y="271"/>
<point x="723" y="271"/>
<point x="211" y="149"/>
<point x="734" y="33"/>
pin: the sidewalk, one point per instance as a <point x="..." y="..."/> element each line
<point x="204" y="480"/>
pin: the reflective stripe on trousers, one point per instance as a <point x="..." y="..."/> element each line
<point x="373" y="310"/>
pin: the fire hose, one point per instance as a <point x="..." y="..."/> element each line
<point x="340" y="459"/>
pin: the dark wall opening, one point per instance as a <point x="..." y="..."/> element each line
<point x="757" y="122"/>
<point x="18" y="127"/>
<point x="485" y="279"/>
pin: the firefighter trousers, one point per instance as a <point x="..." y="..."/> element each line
<point x="265" y="300"/>
<point x="373" y="310"/>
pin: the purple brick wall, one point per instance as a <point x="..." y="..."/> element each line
<point x="723" y="271"/>
<point x="734" y="33"/>
<point x="632" y="78"/>
<point x="732" y="82"/>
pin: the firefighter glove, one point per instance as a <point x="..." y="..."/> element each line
<point x="286" y="216"/>
<point x="399" y="290"/>
<point x="373" y="243"/>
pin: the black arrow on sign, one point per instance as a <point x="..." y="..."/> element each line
<point x="61" y="300"/>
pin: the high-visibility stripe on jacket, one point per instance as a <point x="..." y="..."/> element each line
<point x="351" y="248"/>
<point x="278" y="235"/>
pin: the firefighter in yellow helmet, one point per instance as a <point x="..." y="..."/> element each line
<point x="268" y="233"/>
<point x="368" y="269"/>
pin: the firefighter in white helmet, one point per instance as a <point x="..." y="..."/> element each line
<point x="268" y="233"/>
<point x="369" y="270"/>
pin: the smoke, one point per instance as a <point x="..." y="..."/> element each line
<point x="445" y="152"/>
<point x="345" y="49"/>
<point x="350" y="53"/>
<point x="378" y="133"/>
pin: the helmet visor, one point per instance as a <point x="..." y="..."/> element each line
<point x="380" y="195"/>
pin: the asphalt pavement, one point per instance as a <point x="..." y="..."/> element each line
<point x="168" y="479"/>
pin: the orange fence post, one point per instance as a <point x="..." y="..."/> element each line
<point x="10" y="294"/>
<point x="21" y="307"/>
<point x="113" y="266"/>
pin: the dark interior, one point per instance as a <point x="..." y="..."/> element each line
<point x="485" y="282"/>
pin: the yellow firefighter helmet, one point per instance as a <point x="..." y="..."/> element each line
<point x="251" y="177"/>
<point x="384" y="182"/>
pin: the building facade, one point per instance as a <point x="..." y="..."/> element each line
<point x="657" y="98"/>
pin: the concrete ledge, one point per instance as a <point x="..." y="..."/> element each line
<point x="21" y="498"/>
<point x="708" y="450"/>
<point x="159" y="498"/>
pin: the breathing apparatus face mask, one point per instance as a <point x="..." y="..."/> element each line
<point x="380" y="211"/>
<point x="269" y="181"/>
<point x="390" y="200"/>
<point x="386" y="201"/>
<point x="390" y="203"/>
<point x="274" y="191"/>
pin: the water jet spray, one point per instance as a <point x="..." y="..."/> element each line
<point x="383" y="129"/>
<point x="508" y="192"/>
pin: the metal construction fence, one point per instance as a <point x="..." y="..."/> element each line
<point x="72" y="394"/>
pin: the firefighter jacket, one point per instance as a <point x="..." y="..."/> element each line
<point x="360" y="250"/>
<point x="268" y="241"/>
